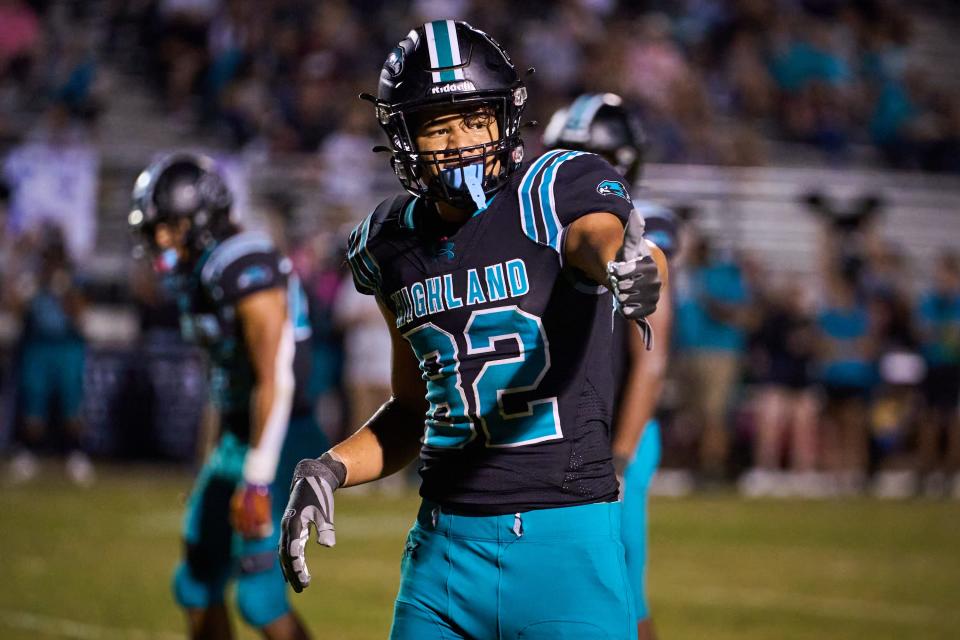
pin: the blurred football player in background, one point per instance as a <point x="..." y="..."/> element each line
<point x="602" y="124"/>
<point x="495" y="279"/>
<point x="240" y="300"/>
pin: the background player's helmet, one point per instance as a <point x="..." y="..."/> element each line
<point x="181" y="186"/>
<point x="661" y="226"/>
<point x="447" y="63"/>
<point x="600" y="123"/>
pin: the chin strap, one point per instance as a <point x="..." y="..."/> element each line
<point x="471" y="177"/>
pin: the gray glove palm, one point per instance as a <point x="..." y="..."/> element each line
<point x="311" y="502"/>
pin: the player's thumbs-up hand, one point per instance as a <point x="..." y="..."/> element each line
<point x="634" y="277"/>
<point x="311" y="502"/>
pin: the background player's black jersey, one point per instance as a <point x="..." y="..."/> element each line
<point x="515" y="350"/>
<point x="241" y="265"/>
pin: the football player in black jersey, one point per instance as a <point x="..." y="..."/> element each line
<point x="495" y="278"/>
<point x="239" y="299"/>
<point x="602" y="124"/>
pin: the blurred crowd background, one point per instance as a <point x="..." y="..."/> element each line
<point x="811" y="146"/>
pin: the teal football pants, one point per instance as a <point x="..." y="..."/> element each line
<point x="637" y="479"/>
<point x="549" y="574"/>
<point x="215" y="554"/>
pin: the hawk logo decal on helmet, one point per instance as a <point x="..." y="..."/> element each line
<point x="613" y="188"/>
<point x="394" y="63"/>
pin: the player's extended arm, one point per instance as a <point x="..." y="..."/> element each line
<point x="598" y="245"/>
<point x="270" y="344"/>
<point x="645" y="376"/>
<point x="385" y="444"/>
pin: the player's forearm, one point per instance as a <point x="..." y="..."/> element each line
<point x="388" y="442"/>
<point x="593" y="241"/>
<point x="641" y="394"/>
<point x="644" y="382"/>
<point x="271" y="402"/>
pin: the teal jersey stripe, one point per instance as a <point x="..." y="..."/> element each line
<point x="363" y="270"/>
<point x="364" y="254"/>
<point x="548" y="208"/>
<point x="441" y="38"/>
<point x="406" y="219"/>
<point x="526" y="196"/>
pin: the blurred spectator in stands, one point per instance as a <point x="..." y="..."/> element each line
<point x="939" y="316"/>
<point x="52" y="354"/>
<point x="351" y="184"/>
<point x="814" y="80"/>
<point x="20" y="41"/>
<point x="846" y="355"/>
<point x="900" y="369"/>
<point x="713" y="312"/>
<point x="318" y="261"/>
<point x="366" y="353"/>
<point x="786" y="402"/>
<point x="306" y="114"/>
<point x="182" y="52"/>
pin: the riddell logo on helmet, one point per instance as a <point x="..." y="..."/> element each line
<point x="462" y="85"/>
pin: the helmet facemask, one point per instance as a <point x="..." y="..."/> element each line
<point x="464" y="177"/>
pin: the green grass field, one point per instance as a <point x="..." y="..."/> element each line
<point x="96" y="564"/>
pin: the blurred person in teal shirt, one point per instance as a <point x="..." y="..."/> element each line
<point x="713" y="312"/>
<point x="939" y="318"/>
<point x="847" y="374"/>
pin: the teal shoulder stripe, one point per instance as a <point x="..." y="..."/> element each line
<point x="231" y="250"/>
<point x="406" y="217"/>
<point x="355" y="256"/>
<point x="365" y="254"/>
<point x="525" y="194"/>
<point x="548" y="205"/>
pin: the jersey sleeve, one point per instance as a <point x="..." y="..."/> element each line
<point x="562" y="186"/>
<point x="363" y="241"/>
<point x="587" y="183"/>
<point x="244" y="268"/>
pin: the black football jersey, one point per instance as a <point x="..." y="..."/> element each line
<point x="239" y="266"/>
<point x="514" y="348"/>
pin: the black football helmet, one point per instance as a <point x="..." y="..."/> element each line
<point x="181" y="186"/>
<point x="441" y="64"/>
<point x="600" y="123"/>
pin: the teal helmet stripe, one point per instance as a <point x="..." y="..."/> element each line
<point x="444" y="48"/>
<point x="581" y="115"/>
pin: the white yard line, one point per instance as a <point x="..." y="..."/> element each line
<point x="63" y="628"/>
